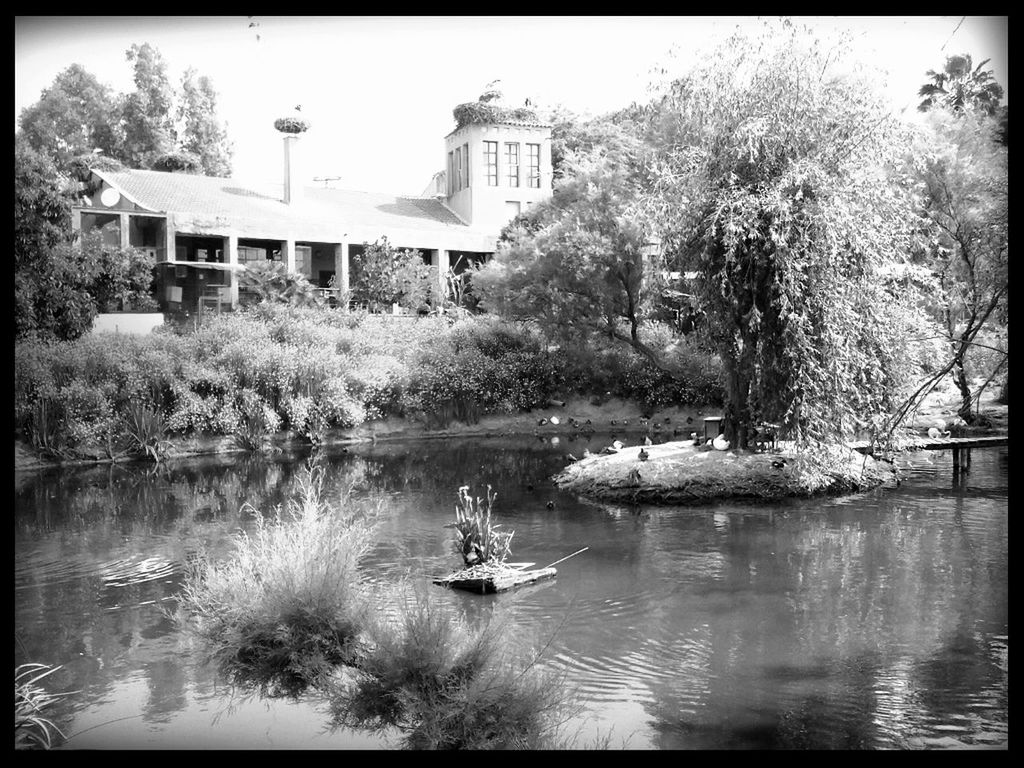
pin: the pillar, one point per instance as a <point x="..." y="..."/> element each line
<point x="288" y="254"/>
<point x="170" y="253"/>
<point x="341" y="276"/>
<point x="123" y="224"/>
<point x="231" y="257"/>
<point x="440" y="259"/>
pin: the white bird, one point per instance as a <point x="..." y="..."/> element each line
<point x="617" y="445"/>
<point x="720" y="443"/>
<point x="934" y="432"/>
<point x="554" y="420"/>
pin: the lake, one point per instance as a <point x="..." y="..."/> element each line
<point x="873" y="621"/>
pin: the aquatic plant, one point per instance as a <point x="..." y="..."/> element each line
<point x="288" y="605"/>
<point x="31" y="729"/>
<point x="476" y="540"/>
<point x="146" y="429"/>
<point x="444" y="685"/>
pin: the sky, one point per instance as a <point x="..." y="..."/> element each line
<point x="378" y="92"/>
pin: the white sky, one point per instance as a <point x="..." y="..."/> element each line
<point x="379" y="91"/>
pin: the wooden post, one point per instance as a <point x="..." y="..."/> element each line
<point x="956" y="460"/>
<point x="967" y="458"/>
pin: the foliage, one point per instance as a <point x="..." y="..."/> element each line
<point x="444" y="685"/>
<point x="476" y="540"/>
<point x="177" y="161"/>
<point x="31" y="729"/>
<point x="291" y="125"/>
<point x="147" y="431"/>
<point x="775" y="183"/>
<point x="962" y="169"/>
<point x="384" y="275"/>
<point x="959" y="87"/>
<point x="270" y="281"/>
<point x="202" y="134"/>
<point x="289" y="604"/>
<point x="80" y="122"/>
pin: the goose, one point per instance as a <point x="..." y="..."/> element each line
<point x="642" y="455"/>
<point x="634" y="476"/>
<point x="720" y="443"/>
<point x="934" y="432"/>
<point x="554" y="420"/>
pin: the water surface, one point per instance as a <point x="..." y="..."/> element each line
<point x="872" y="621"/>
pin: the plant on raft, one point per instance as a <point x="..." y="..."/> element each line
<point x="476" y="540"/>
<point x="31" y="729"/>
<point x="288" y="606"/>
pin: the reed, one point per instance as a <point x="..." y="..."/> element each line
<point x="31" y="729"/>
<point x="476" y="540"/>
<point x="288" y="606"/>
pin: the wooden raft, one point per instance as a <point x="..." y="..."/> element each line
<point x="487" y="580"/>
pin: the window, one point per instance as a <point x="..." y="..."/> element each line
<point x="451" y="173"/>
<point x="465" y="166"/>
<point x="533" y="165"/>
<point x="491" y="162"/>
<point x="304" y="259"/>
<point x="512" y="163"/>
<point x="247" y="254"/>
<point x="458" y="168"/>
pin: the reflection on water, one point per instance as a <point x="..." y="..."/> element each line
<point x="874" y="621"/>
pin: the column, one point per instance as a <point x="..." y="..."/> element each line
<point x="440" y="260"/>
<point x="170" y="253"/>
<point x="288" y="254"/>
<point x="124" y="224"/>
<point x="231" y="257"/>
<point x="341" y="276"/>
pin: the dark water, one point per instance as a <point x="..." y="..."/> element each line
<point x="873" y="621"/>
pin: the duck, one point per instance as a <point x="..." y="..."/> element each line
<point x="934" y="432"/>
<point x="541" y="422"/>
<point x="634" y="476"/>
<point x="554" y="420"/>
<point x="644" y="421"/>
<point x="643" y="455"/>
<point x="696" y="440"/>
<point x="778" y="463"/>
<point x="550" y="505"/>
<point x="689" y="419"/>
<point x="571" y="458"/>
<point x="720" y="443"/>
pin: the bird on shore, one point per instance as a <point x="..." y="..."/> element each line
<point x="657" y="427"/>
<point x="541" y="422"/>
<point x="613" y="422"/>
<point x="550" y="505"/>
<point x="696" y="440"/>
<point x="571" y="458"/>
<point x="689" y="419"/>
<point x="554" y="420"/>
<point x="634" y="476"/>
<point x="934" y="432"/>
<point x="648" y="441"/>
<point x="720" y="443"/>
<point x="643" y="455"/>
<point x="617" y="445"/>
<point x="778" y="463"/>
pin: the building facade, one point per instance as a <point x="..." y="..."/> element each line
<point x="201" y="230"/>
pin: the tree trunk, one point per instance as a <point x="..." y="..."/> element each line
<point x="960" y="377"/>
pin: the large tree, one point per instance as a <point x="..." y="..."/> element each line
<point x="148" y="110"/>
<point x="202" y="133"/>
<point x="77" y="115"/>
<point x="775" y="184"/>
<point x="962" y="168"/>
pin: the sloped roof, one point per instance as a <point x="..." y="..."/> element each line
<point x="245" y="206"/>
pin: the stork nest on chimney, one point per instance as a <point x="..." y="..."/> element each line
<point x="291" y="125"/>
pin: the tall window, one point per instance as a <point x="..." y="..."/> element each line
<point x="451" y="173"/>
<point x="491" y="162"/>
<point x="533" y="165"/>
<point x="465" y="165"/>
<point x="512" y="163"/>
<point x="458" y="168"/>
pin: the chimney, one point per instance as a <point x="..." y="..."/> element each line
<point x="292" y="176"/>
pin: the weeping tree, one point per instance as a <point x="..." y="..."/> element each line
<point x="774" y="182"/>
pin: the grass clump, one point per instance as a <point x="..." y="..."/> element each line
<point x="289" y="606"/>
<point x="31" y="729"/>
<point x="444" y="685"/>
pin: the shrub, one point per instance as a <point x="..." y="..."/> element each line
<point x="384" y="275"/>
<point x="446" y="686"/>
<point x="289" y="604"/>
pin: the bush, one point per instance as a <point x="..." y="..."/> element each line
<point x="446" y="686"/>
<point x="289" y="605"/>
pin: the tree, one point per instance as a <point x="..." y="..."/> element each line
<point x="963" y="171"/>
<point x="775" y="184"/>
<point x="42" y="205"/>
<point x="147" y="111"/>
<point x="960" y="87"/>
<point x="384" y="275"/>
<point x="202" y="133"/>
<point x="76" y="115"/>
